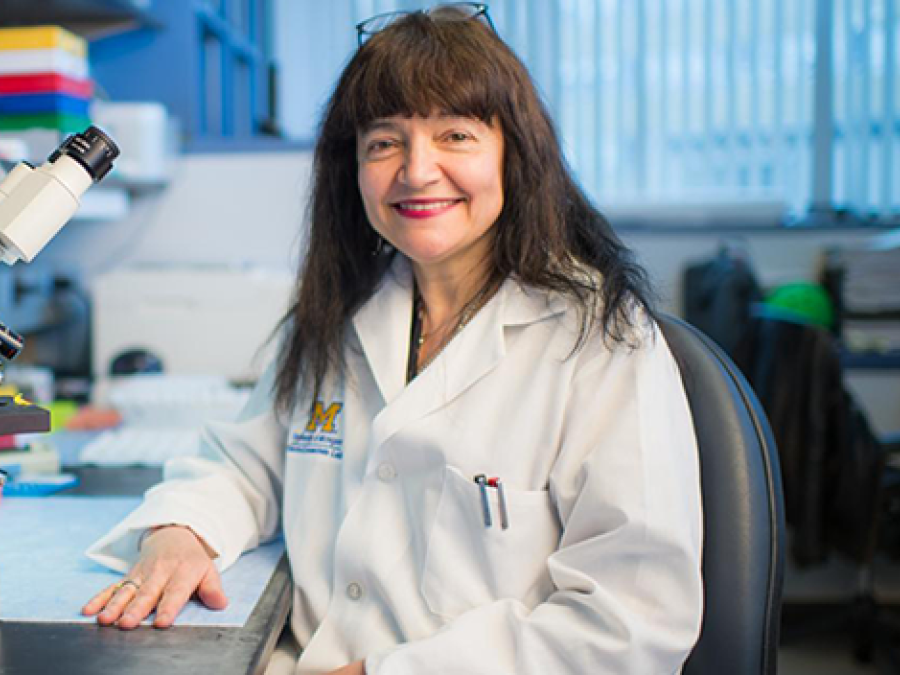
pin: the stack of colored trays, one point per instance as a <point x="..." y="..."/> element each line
<point x="44" y="81"/>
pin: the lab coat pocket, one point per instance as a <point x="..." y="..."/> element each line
<point x="468" y="564"/>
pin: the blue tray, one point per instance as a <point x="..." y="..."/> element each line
<point x="38" y="485"/>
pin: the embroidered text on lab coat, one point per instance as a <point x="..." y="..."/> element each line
<point x="322" y="434"/>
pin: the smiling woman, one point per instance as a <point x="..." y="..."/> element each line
<point x="447" y="66"/>
<point x="474" y="440"/>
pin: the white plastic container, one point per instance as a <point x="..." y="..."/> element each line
<point x="147" y="136"/>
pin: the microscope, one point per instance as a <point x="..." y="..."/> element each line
<point x="34" y="205"/>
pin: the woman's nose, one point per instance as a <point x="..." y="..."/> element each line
<point x="420" y="166"/>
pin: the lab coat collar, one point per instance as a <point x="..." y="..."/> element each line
<point x="384" y="323"/>
<point x="383" y="326"/>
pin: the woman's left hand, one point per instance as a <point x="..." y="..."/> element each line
<point x="355" y="668"/>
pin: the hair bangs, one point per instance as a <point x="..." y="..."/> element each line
<point x="420" y="77"/>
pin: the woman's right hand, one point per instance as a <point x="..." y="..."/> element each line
<point x="174" y="564"/>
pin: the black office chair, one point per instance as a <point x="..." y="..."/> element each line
<point x="743" y="550"/>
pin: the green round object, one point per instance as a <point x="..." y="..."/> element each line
<point x="803" y="301"/>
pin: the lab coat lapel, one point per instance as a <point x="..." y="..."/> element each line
<point x="465" y="360"/>
<point x="383" y="325"/>
<point x="479" y="348"/>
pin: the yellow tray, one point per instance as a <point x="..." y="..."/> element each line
<point x="42" y="37"/>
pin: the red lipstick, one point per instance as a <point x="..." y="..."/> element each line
<point x="424" y="208"/>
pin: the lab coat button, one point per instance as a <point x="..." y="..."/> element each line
<point x="387" y="472"/>
<point x="354" y="591"/>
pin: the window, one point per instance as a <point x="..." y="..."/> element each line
<point x="792" y="103"/>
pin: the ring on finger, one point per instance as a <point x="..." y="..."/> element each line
<point x="128" y="582"/>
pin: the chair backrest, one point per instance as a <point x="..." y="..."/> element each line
<point x="743" y="550"/>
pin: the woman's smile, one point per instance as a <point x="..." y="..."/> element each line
<point x="425" y="208"/>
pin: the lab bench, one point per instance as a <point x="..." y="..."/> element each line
<point x="28" y="648"/>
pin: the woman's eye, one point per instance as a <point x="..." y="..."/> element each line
<point x="458" y="136"/>
<point x="379" y="146"/>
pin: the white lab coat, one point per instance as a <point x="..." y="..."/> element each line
<point x="599" y="569"/>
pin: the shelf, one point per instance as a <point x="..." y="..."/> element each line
<point x="90" y="18"/>
<point x="870" y="361"/>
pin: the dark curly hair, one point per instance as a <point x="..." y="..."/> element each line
<point x="548" y="234"/>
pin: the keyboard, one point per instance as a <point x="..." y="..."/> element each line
<point x="162" y="418"/>
<point x="140" y="446"/>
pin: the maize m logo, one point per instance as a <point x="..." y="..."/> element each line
<point x="323" y="434"/>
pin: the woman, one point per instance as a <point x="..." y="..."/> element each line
<point x="475" y="441"/>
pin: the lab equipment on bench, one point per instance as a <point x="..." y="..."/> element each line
<point x="195" y="319"/>
<point x="140" y="446"/>
<point x="37" y="458"/>
<point x="40" y="485"/>
<point x="162" y="416"/>
<point x="34" y="205"/>
<point x="33" y="471"/>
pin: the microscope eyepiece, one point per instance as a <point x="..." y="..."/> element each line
<point x="92" y="149"/>
<point x="36" y="202"/>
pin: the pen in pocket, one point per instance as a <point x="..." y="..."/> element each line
<point x="501" y="497"/>
<point x="484" y="483"/>
<point x="481" y="479"/>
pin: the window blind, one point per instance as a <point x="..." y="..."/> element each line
<point x="667" y="101"/>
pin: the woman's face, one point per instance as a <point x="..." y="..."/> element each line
<point x="433" y="187"/>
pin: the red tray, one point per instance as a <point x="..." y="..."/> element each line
<point x="34" y="83"/>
